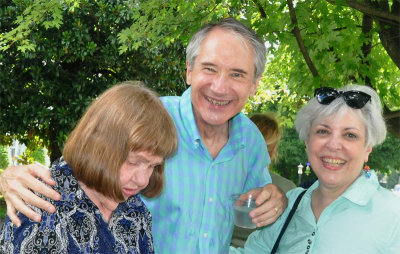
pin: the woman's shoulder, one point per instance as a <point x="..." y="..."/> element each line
<point x="387" y="200"/>
<point x="293" y="194"/>
<point x="134" y="205"/>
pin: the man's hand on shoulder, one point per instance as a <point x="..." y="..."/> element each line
<point x="17" y="184"/>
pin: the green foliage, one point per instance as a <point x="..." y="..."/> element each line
<point x="45" y="13"/>
<point x="39" y="155"/>
<point x="3" y="208"/>
<point x="326" y="30"/>
<point x="60" y="54"/>
<point x="4" y="160"/>
<point x="291" y="152"/>
<point x="44" y="91"/>
<point x="385" y="157"/>
<point x="30" y="156"/>
<point x="25" y="158"/>
<point x="389" y="179"/>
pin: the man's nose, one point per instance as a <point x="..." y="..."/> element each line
<point x="220" y="83"/>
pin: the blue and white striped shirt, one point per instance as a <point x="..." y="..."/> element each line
<point x="194" y="213"/>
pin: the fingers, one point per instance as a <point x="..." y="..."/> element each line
<point x="25" y="181"/>
<point x="18" y="179"/>
<point x="38" y="170"/>
<point x="19" y="205"/>
<point x="11" y="213"/>
<point x="17" y="184"/>
<point x="24" y="194"/>
<point x="271" y="204"/>
<point x="267" y="213"/>
<point x="264" y="195"/>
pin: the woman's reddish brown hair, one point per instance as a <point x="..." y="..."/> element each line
<point x="127" y="117"/>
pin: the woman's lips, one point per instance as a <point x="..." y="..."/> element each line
<point x="129" y="192"/>
<point x="332" y="163"/>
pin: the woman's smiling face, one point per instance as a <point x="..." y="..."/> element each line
<point x="337" y="149"/>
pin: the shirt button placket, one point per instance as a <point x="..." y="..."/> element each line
<point x="309" y="242"/>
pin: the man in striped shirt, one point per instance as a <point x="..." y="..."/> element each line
<point x="220" y="151"/>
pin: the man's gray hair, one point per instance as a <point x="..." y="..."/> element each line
<point x="233" y="25"/>
<point x="371" y="115"/>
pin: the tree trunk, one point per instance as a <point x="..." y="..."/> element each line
<point x="366" y="48"/>
<point x="54" y="149"/>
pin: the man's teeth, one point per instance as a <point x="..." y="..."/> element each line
<point x="333" y="162"/>
<point x="217" y="103"/>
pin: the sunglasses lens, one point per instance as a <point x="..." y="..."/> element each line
<point x="356" y="99"/>
<point x="325" y="95"/>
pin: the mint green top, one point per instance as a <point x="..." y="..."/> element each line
<point x="364" y="219"/>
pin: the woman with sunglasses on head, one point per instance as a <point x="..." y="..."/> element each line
<point x="346" y="210"/>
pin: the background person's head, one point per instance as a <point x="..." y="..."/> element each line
<point x="268" y="124"/>
<point x="127" y="117"/>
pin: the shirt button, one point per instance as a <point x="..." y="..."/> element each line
<point x="205" y="235"/>
<point x="309" y="241"/>
<point x="210" y="200"/>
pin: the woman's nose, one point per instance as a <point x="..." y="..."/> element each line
<point x="141" y="178"/>
<point x="334" y="142"/>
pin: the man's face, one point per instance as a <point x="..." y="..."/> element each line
<point x="222" y="78"/>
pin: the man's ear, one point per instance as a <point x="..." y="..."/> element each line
<point x="188" y="73"/>
<point x="254" y="86"/>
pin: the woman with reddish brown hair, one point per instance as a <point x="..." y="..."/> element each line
<point x="116" y="151"/>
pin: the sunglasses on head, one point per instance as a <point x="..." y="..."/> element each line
<point x="353" y="98"/>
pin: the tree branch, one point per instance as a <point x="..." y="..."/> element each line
<point x="392" y="119"/>
<point x="370" y="10"/>
<point x="366" y="48"/>
<point x="299" y="39"/>
<point x="390" y="114"/>
<point x="262" y="11"/>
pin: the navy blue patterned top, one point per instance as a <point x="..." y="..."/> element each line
<point x="77" y="226"/>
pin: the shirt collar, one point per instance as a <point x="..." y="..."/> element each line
<point x="363" y="188"/>
<point x="189" y="123"/>
<point x="359" y="192"/>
